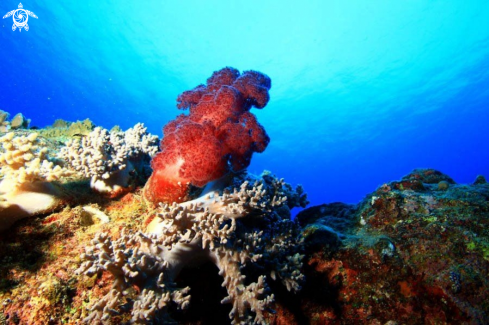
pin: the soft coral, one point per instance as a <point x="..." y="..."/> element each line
<point x="218" y="135"/>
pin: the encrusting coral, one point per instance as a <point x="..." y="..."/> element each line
<point x="244" y="231"/>
<point x="110" y="159"/>
<point x="27" y="174"/>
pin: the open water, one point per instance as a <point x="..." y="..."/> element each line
<point x="362" y="92"/>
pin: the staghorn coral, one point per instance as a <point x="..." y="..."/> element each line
<point x="110" y="159"/>
<point x="27" y="172"/>
<point x="240" y="230"/>
<point x="219" y="134"/>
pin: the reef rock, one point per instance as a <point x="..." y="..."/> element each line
<point x="19" y="122"/>
<point x="410" y="253"/>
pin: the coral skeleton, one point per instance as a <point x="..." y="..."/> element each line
<point x="238" y="229"/>
<point x="110" y="159"/>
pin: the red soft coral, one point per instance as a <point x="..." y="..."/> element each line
<point x="218" y="135"/>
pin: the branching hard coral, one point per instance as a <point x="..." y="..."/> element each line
<point x="110" y="158"/>
<point x="219" y="134"/>
<point x="27" y="172"/>
<point x="240" y="230"/>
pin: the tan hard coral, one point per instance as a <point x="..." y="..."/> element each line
<point x="27" y="173"/>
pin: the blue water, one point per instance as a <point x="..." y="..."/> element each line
<point x="362" y="91"/>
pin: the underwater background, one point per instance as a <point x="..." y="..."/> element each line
<point x="362" y="92"/>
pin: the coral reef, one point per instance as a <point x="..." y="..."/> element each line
<point x="218" y="135"/>
<point x="111" y="160"/>
<point x="27" y="173"/>
<point x="240" y="231"/>
<point x="405" y="254"/>
<point x="413" y="251"/>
